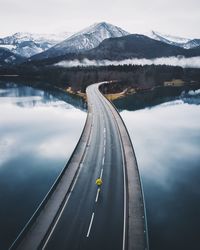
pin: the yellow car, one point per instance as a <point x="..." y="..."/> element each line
<point x="99" y="182"/>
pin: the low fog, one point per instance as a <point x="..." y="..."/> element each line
<point x="192" y="62"/>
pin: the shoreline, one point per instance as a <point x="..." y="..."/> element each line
<point x="175" y="84"/>
<point x="132" y="91"/>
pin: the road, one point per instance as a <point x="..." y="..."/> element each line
<point x="93" y="219"/>
<point x="76" y="214"/>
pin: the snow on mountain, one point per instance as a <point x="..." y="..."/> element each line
<point x="170" y="39"/>
<point x="86" y="39"/>
<point x="8" y="57"/>
<point x="185" y="43"/>
<point x="8" y="46"/>
<point x="91" y="37"/>
<point x="29" y="44"/>
<point x="192" y="44"/>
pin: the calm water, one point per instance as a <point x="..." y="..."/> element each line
<point x="38" y="133"/>
<point x="166" y="139"/>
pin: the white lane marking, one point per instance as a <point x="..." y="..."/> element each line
<point x="104" y="143"/>
<point x="101" y="173"/>
<point x="125" y="191"/>
<point x="89" y="142"/>
<point x="91" y="221"/>
<point x="90" y="138"/>
<point x="83" y="160"/>
<point x="104" y="150"/>
<point x="74" y="184"/>
<point x="81" y="165"/>
<point x="104" y="130"/>
<point x="124" y="175"/>
<point x="97" y="196"/>
<point x="46" y="242"/>
<point x="103" y="160"/>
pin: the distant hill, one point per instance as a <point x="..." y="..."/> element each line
<point x="126" y="47"/>
<point x="49" y="47"/>
<point x="133" y="46"/>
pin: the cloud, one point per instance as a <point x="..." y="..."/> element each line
<point x="174" y="17"/>
<point x="194" y="92"/>
<point x="192" y="62"/>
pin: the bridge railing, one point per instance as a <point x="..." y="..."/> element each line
<point x="140" y="179"/>
<point x="33" y="218"/>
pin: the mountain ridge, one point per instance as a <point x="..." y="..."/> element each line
<point x="28" y="44"/>
<point x="7" y="57"/>
<point x="126" y="47"/>
<point x="98" y="41"/>
<point x="186" y="43"/>
<point x="85" y="39"/>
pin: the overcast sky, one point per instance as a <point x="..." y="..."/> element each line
<point x="176" y="17"/>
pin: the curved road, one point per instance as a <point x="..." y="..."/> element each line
<point x="93" y="220"/>
<point x="90" y="218"/>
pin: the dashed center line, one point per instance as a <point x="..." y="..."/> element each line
<point x="103" y="160"/>
<point x="97" y="196"/>
<point x="91" y="221"/>
<point x="101" y="173"/>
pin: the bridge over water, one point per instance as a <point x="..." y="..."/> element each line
<point x="76" y="214"/>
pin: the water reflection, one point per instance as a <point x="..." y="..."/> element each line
<point x="29" y="96"/>
<point x="166" y="139"/>
<point x="38" y="133"/>
<point x="142" y="99"/>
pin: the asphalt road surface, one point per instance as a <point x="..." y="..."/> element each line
<point x="78" y="215"/>
<point x="92" y="218"/>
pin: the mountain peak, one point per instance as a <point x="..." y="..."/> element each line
<point x="106" y="29"/>
<point x="84" y="40"/>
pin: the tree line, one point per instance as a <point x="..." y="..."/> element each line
<point x="78" y="78"/>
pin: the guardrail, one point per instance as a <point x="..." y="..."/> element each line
<point x="33" y="218"/>
<point x="140" y="180"/>
<point x="86" y="129"/>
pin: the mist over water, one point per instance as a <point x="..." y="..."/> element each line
<point x="166" y="139"/>
<point x="192" y="62"/>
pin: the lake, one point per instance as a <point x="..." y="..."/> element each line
<point x="40" y="128"/>
<point x="38" y="133"/>
<point x="166" y="139"/>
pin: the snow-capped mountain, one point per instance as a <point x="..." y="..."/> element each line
<point x="168" y="38"/>
<point x="131" y="47"/>
<point x="185" y="43"/>
<point x="194" y="43"/>
<point x="86" y="39"/>
<point x="28" y="44"/>
<point x="7" y="57"/>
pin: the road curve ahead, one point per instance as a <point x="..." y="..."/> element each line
<point x="77" y="214"/>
